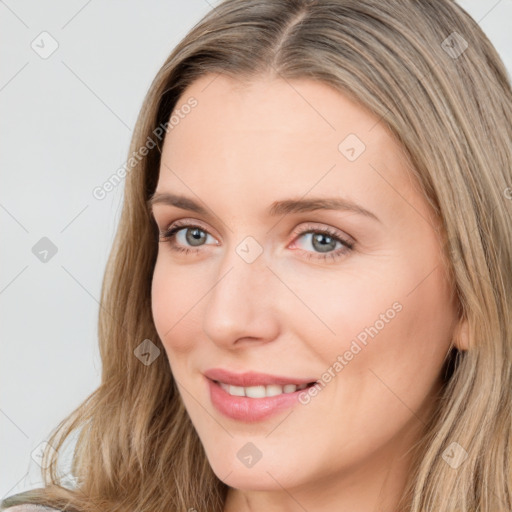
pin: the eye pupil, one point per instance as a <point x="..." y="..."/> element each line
<point x="324" y="247"/>
<point x="195" y="235"/>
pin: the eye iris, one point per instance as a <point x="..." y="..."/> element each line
<point x="195" y="236"/>
<point x="318" y="237"/>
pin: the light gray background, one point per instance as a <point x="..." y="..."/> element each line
<point x="66" y="123"/>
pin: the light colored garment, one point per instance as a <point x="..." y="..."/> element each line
<point x="30" y="508"/>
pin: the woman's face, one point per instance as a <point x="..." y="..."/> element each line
<point x="351" y="294"/>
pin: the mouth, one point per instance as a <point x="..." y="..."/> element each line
<point x="262" y="391"/>
<point x="251" y="379"/>
<point x="252" y="397"/>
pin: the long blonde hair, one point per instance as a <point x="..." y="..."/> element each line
<point x="431" y="76"/>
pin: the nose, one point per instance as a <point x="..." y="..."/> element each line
<point x="242" y="305"/>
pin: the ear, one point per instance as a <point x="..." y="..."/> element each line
<point x="461" y="335"/>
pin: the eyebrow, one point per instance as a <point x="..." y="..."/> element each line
<point x="277" y="208"/>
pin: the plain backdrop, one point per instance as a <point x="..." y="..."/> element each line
<point x="73" y="76"/>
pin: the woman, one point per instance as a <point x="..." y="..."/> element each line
<point x="308" y="304"/>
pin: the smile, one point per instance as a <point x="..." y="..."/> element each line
<point x="252" y="396"/>
<point x="262" y="391"/>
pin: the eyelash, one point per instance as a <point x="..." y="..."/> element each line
<point x="169" y="237"/>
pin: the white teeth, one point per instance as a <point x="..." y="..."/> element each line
<point x="274" y="389"/>
<point x="255" y="392"/>
<point x="236" y="391"/>
<point x="261" y="391"/>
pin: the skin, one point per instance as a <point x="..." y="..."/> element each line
<point x="244" y="146"/>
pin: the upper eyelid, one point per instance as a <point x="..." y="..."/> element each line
<point x="179" y="224"/>
<point x="185" y="223"/>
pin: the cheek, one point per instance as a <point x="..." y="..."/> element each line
<point x="332" y="310"/>
<point x="392" y="342"/>
<point x="403" y="356"/>
<point x="391" y="318"/>
<point x="172" y="300"/>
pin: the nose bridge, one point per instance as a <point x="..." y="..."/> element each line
<point x="238" y="304"/>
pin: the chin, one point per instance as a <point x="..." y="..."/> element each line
<point x="254" y="480"/>
<point x="262" y="475"/>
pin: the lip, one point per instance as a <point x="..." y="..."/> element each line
<point x="252" y="378"/>
<point x="246" y="409"/>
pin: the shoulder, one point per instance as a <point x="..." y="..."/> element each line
<point x="26" y="507"/>
<point x="25" y="501"/>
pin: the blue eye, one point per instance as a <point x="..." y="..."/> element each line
<point x="194" y="235"/>
<point x="326" y="242"/>
<point x="323" y="240"/>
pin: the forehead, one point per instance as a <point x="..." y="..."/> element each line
<point x="288" y="112"/>
<point x="251" y="139"/>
